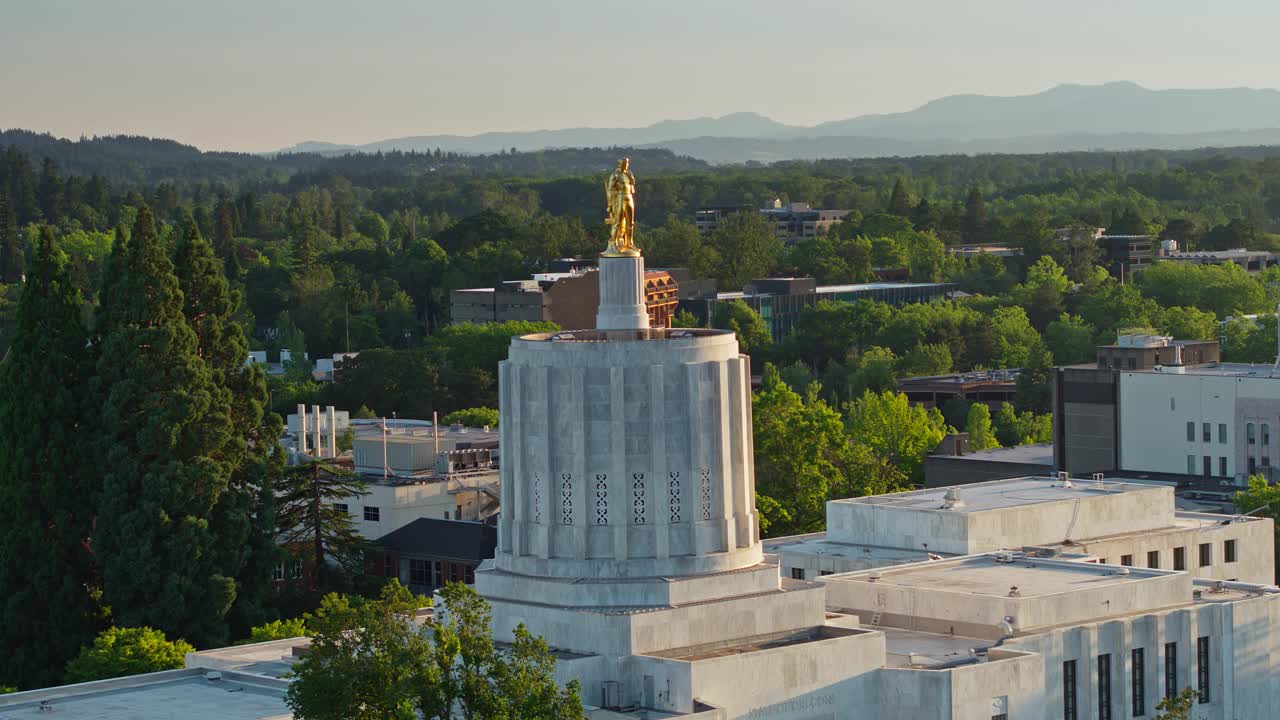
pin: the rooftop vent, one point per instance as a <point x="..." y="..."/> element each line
<point x="952" y="499"/>
<point x="1013" y="591"/>
<point x="1064" y="479"/>
<point x="1120" y="571"/>
<point x="1219" y="587"/>
<point x="873" y="576"/>
<point x="213" y="676"/>
<point x="1003" y="557"/>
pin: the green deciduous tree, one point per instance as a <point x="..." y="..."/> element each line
<point x="1014" y="337"/>
<point x="895" y="429"/>
<point x="47" y="481"/>
<point x="1022" y="428"/>
<point x="276" y="630"/>
<point x="121" y="651"/>
<point x="978" y="425"/>
<point x="1070" y="340"/>
<point x="1261" y="499"/>
<point x="473" y="417"/>
<point x="163" y="427"/>
<point x="748" y="248"/>
<point x="736" y="315"/>
<point x="804" y="458"/>
<point x="677" y="243"/>
<point x="1033" y="391"/>
<point x="370" y="661"/>
<point x="1177" y="707"/>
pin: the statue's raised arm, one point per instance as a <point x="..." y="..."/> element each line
<point x="620" y="200"/>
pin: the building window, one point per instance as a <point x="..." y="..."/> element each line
<point x="419" y="572"/>
<point x="277" y="572"/>
<point x="341" y="507"/>
<point x="1191" y="464"/>
<point x="1266" y="434"/>
<point x="1133" y="363"/>
<point x="1069" y="690"/>
<point x="1104" y="687"/>
<point x="1222" y="466"/>
<point x="469" y="575"/>
<point x="1139" y="683"/>
<point x="372" y="514"/>
<point x="1202" y="669"/>
<point x="295" y="570"/>
<point x="1126" y="560"/>
<point x="1229" y="551"/>
<point x="1206" y="432"/>
<point x="1179" y="558"/>
<point x="1153" y="559"/>
<point x="1222" y="433"/>
<point x="457" y="512"/>
<point x="1206" y="555"/>
<point x="1208" y="466"/>
<point x="1191" y="431"/>
<point x="1170" y="669"/>
<point x="1266" y="461"/>
<point x="1253" y="466"/>
<point x="437" y="574"/>
<point x="1249" y="434"/>
<point x="797" y="573"/>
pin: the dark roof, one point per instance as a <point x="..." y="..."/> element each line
<point x="464" y="540"/>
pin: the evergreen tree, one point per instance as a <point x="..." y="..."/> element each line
<point x="11" y="261"/>
<point x="309" y="523"/>
<point x="975" y="217"/>
<point x="46" y="488"/>
<point x="900" y="199"/>
<point x="224" y="242"/>
<point x="209" y="307"/>
<point x="164" y="424"/>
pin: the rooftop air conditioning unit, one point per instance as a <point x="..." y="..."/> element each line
<point x="610" y="695"/>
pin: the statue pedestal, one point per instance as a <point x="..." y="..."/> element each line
<point x="622" y="305"/>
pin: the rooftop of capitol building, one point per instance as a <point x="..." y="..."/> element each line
<point x="191" y="694"/>
<point x="998" y="494"/>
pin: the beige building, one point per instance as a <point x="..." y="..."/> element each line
<point x="1121" y="523"/>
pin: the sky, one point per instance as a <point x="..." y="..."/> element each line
<point x="258" y="75"/>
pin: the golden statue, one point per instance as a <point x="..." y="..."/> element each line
<point x="620" y="194"/>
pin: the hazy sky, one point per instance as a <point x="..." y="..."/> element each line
<point x="263" y="74"/>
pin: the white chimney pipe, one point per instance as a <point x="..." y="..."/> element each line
<point x="435" y="429"/>
<point x="315" y="432"/>
<point x="302" y="429"/>
<point x="333" y="431"/>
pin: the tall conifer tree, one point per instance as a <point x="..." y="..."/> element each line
<point x="164" y="424"/>
<point x="224" y="241"/>
<point x="11" y="260"/>
<point x="243" y="520"/>
<point x="47" y="600"/>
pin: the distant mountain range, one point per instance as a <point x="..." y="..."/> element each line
<point x="1111" y="116"/>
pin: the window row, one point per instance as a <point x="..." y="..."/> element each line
<point x="371" y="513"/>
<point x="1206" y="432"/>
<point x="1137" y="678"/>
<point x="435" y="573"/>
<point x="1205" y="558"/>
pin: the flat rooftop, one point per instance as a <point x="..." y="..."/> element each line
<point x="984" y="575"/>
<point x="1220" y="369"/>
<point x="997" y="494"/>
<point x="1040" y="454"/>
<point x="184" y="694"/>
<point x="911" y="648"/>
